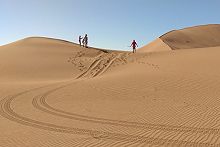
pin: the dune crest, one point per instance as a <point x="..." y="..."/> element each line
<point x="202" y="36"/>
<point x="193" y="37"/>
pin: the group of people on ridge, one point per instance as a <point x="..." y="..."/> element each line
<point x="83" y="41"/>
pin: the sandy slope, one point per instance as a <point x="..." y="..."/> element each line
<point x="193" y="37"/>
<point x="155" y="46"/>
<point x="41" y="59"/>
<point x="54" y="93"/>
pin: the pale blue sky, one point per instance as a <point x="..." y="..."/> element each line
<point x="109" y="23"/>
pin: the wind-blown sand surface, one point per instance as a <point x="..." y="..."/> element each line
<point x="54" y="93"/>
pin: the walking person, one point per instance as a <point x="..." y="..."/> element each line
<point x="80" y="40"/>
<point x="85" y="41"/>
<point x="134" y="45"/>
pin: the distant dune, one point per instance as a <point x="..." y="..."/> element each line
<point x="54" y="93"/>
<point x="192" y="37"/>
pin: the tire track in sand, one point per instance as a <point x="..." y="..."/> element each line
<point x="93" y="65"/>
<point x="7" y="112"/>
<point x="40" y="103"/>
<point x="100" y="65"/>
<point x="110" y="62"/>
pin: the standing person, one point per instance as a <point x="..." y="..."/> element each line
<point x="85" y="41"/>
<point x="80" y="40"/>
<point x="134" y="45"/>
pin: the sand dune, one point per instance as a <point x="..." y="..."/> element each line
<point x="43" y="59"/>
<point x="193" y="37"/>
<point x="155" y="46"/>
<point x="188" y="38"/>
<point x="55" y="93"/>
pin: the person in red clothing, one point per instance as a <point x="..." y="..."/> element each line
<point x="134" y="45"/>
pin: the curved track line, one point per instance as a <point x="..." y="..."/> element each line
<point x="7" y="112"/>
<point x="41" y="104"/>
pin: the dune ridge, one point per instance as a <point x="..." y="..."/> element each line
<point x="193" y="37"/>
<point x="188" y="38"/>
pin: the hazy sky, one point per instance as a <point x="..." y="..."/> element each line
<point x="109" y="23"/>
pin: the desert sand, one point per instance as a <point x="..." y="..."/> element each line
<point x="54" y="93"/>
